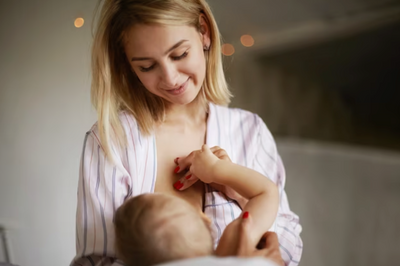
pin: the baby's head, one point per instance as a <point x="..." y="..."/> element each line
<point x="156" y="228"/>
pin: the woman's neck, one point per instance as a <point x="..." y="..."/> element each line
<point x="192" y="114"/>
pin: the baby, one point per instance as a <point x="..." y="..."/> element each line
<point x="157" y="228"/>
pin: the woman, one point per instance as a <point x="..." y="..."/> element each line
<point x="159" y="90"/>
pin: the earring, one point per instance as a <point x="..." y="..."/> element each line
<point x="206" y="48"/>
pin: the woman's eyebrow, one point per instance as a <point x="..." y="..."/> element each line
<point x="169" y="50"/>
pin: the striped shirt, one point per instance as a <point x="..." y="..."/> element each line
<point x="104" y="186"/>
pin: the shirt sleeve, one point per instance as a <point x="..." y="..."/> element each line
<point x="287" y="225"/>
<point x="103" y="186"/>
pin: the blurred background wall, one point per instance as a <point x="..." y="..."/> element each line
<point x="44" y="113"/>
<point x="323" y="74"/>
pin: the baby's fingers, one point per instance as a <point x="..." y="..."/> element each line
<point x="220" y="153"/>
<point x="185" y="182"/>
<point x="215" y="148"/>
<point x="184" y="163"/>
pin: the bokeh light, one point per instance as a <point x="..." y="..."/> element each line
<point x="79" y="22"/>
<point x="228" y="49"/>
<point x="247" y="40"/>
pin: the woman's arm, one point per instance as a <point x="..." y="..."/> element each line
<point x="268" y="249"/>
<point x="287" y="226"/>
<point x="102" y="188"/>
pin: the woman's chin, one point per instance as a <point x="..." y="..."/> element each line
<point x="184" y="99"/>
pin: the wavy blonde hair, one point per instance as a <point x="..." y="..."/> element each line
<point x="115" y="87"/>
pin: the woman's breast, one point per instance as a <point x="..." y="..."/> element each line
<point x="167" y="151"/>
<point x="164" y="184"/>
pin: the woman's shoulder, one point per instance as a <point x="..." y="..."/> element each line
<point x="236" y="115"/>
<point x="238" y="120"/>
<point x="242" y="133"/>
<point x="128" y="123"/>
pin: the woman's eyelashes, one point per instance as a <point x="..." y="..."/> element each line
<point x="146" y="69"/>
<point x="175" y="58"/>
<point x="180" y="57"/>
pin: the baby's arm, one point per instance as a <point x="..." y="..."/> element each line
<point x="211" y="167"/>
<point x="262" y="205"/>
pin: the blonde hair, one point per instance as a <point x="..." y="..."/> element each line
<point x="148" y="233"/>
<point x="114" y="85"/>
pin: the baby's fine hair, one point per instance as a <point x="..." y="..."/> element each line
<point x="147" y="232"/>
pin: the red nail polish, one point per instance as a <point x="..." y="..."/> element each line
<point x="189" y="176"/>
<point x="176" y="169"/>
<point x="176" y="159"/>
<point x="245" y="215"/>
<point x="178" y="185"/>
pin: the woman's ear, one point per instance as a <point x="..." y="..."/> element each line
<point x="205" y="31"/>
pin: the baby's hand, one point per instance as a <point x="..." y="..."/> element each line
<point x="220" y="153"/>
<point x="201" y="165"/>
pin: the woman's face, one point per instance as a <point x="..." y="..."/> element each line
<point x="168" y="60"/>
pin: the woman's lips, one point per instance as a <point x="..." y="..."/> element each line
<point x="179" y="90"/>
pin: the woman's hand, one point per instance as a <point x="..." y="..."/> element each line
<point x="267" y="248"/>
<point x="200" y="165"/>
<point x="190" y="178"/>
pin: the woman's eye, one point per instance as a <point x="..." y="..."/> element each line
<point x="146" y="69"/>
<point x="180" y="57"/>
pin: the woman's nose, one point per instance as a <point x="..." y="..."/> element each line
<point x="170" y="76"/>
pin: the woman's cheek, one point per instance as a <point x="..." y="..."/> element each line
<point x="198" y="65"/>
<point x="148" y="82"/>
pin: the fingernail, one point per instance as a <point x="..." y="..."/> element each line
<point x="245" y="215"/>
<point x="189" y="176"/>
<point x="176" y="160"/>
<point x="178" y="185"/>
<point x="176" y="169"/>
